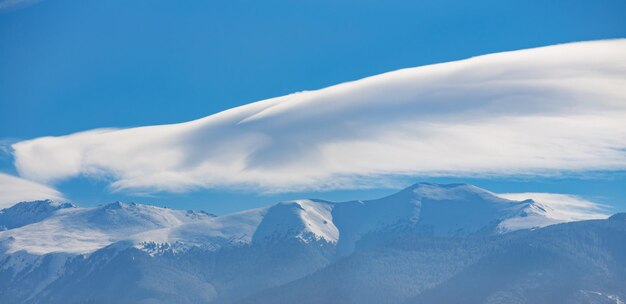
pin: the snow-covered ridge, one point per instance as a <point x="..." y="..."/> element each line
<point x="305" y="220"/>
<point x="43" y="227"/>
<point x="83" y="230"/>
<point x="25" y="213"/>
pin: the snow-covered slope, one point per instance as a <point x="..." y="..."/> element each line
<point x="84" y="230"/>
<point x="457" y="209"/>
<point x="578" y="262"/>
<point x="25" y="213"/>
<point x="53" y="249"/>
<point x="212" y="233"/>
<point x="445" y="210"/>
<point x="305" y="220"/>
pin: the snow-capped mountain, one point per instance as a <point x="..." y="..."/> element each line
<point x="25" y="213"/>
<point x="49" y="249"/>
<point x="56" y="227"/>
<point x="455" y="209"/>
<point x="445" y="210"/>
<point x="577" y="262"/>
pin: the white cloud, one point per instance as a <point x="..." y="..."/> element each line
<point x="537" y="111"/>
<point x="15" y="4"/>
<point x="563" y="207"/>
<point x="14" y="190"/>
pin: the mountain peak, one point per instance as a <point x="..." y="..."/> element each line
<point x="441" y="209"/>
<point x="438" y="185"/>
<point x="447" y="209"/>
<point x="114" y="205"/>
<point x="25" y="213"/>
<point x="445" y="192"/>
<point x="41" y="204"/>
<point x="306" y="220"/>
<point x="618" y="217"/>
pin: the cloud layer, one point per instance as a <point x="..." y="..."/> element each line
<point x="14" y="190"/>
<point x="537" y="111"/>
<point x="563" y="207"/>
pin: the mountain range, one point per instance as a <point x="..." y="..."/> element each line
<point x="429" y="243"/>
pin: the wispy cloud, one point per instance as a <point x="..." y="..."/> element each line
<point x="6" y="5"/>
<point x="538" y="111"/>
<point x="565" y="207"/>
<point x="14" y="190"/>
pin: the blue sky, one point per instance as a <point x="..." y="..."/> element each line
<point x="69" y="66"/>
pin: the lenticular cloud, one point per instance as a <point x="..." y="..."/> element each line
<point x="537" y="111"/>
<point x="14" y="189"/>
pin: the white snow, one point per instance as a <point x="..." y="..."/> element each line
<point x="318" y="219"/>
<point x="84" y="230"/>
<point x="455" y="209"/>
<point x="232" y="229"/>
<point x="306" y="220"/>
<point x="599" y="297"/>
<point x="25" y="213"/>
